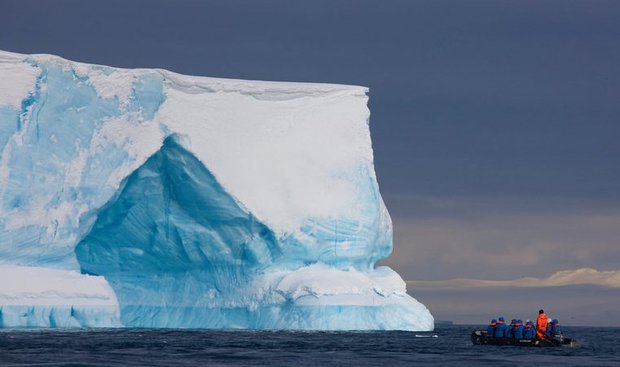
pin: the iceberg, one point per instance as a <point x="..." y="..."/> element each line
<point x="145" y="198"/>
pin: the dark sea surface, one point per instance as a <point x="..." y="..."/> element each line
<point x="447" y="345"/>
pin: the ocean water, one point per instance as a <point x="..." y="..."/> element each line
<point x="447" y="345"/>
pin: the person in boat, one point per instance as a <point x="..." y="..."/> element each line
<point x="548" y="331"/>
<point x="518" y="331"/>
<point x="500" y="327"/>
<point x="509" y="332"/>
<point x="554" y="329"/>
<point x="529" y="332"/>
<point x="557" y="330"/>
<point x="491" y="328"/>
<point x="541" y="324"/>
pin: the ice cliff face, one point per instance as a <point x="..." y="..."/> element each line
<point x="202" y="202"/>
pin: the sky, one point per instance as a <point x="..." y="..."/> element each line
<point x="495" y="124"/>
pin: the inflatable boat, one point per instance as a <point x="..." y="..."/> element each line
<point x="480" y="337"/>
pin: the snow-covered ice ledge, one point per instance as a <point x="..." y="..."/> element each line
<point x="203" y="202"/>
<point x="44" y="297"/>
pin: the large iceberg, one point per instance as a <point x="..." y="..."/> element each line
<point x="145" y="198"/>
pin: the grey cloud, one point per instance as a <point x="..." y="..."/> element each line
<point x="585" y="276"/>
<point x="508" y="239"/>
<point x="573" y="305"/>
<point x="505" y="238"/>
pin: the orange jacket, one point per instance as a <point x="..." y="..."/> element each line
<point x="541" y="325"/>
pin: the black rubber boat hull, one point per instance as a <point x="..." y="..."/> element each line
<point x="479" y="337"/>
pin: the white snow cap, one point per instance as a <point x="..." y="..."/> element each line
<point x="22" y="285"/>
<point x="18" y="80"/>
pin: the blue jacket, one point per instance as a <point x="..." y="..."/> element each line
<point x="548" y="332"/>
<point x="519" y="332"/>
<point x="499" y="329"/>
<point x="508" y="331"/>
<point x="529" y="333"/>
<point x="491" y="330"/>
<point x="553" y="329"/>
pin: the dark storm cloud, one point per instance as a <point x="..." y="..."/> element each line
<point x="478" y="97"/>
